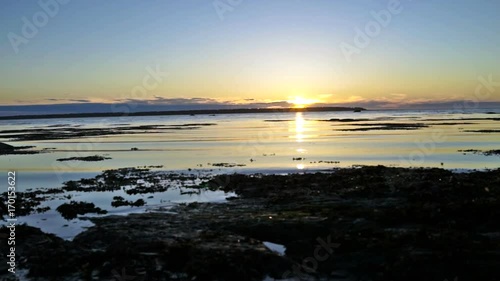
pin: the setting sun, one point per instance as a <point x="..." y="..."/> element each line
<point x="301" y="102"/>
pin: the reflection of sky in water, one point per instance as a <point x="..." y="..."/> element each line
<point x="296" y="142"/>
<point x="52" y="222"/>
<point x="248" y="140"/>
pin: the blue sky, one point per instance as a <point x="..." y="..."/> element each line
<point x="266" y="51"/>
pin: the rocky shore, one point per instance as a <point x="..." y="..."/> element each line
<point x="369" y="223"/>
<point x="7" y="149"/>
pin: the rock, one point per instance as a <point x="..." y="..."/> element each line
<point x="72" y="209"/>
<point x="7" y="147"/>
<point x="367" y="223"/>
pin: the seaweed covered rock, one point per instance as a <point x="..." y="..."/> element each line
<point x="72" y="209"/>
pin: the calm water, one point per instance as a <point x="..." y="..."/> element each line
<point x="251" y="140"/>
<point x="294" y="142"/>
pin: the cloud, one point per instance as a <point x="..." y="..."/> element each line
<point x="171" y="101"/>
<point x="393" y="101"/>
<point x="325" y="96"/>
<point x="403" y="101"/>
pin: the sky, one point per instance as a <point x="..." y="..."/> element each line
<point x="376" y="53"/>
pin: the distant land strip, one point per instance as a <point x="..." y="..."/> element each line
<point x="183" y="112"/>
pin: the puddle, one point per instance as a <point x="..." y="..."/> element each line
<point x="277" y="248"/>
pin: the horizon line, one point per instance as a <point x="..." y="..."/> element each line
<point x="185" y="112"/>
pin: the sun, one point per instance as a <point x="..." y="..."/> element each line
<point x="301" y="102"/>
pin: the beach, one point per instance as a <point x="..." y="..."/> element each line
<point x="383" y="195"/>
<point x="233" y="140"/>
<point x="370" y="223"/>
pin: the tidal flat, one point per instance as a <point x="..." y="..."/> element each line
<point x="326" y="139"/>
<point x="368" y="223"/>
<point x="370" y="195"/>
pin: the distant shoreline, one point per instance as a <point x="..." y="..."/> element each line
<point x="182" y="112"/>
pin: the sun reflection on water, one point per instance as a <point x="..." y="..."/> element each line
<point x="299" y="135"/>
<point x="299" y="127"/>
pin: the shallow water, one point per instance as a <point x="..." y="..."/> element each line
<point x="291" y="142"/>
<point x="52" y="222"/>
<point x="249" y="140"/>
<point x="277" y="248"/>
